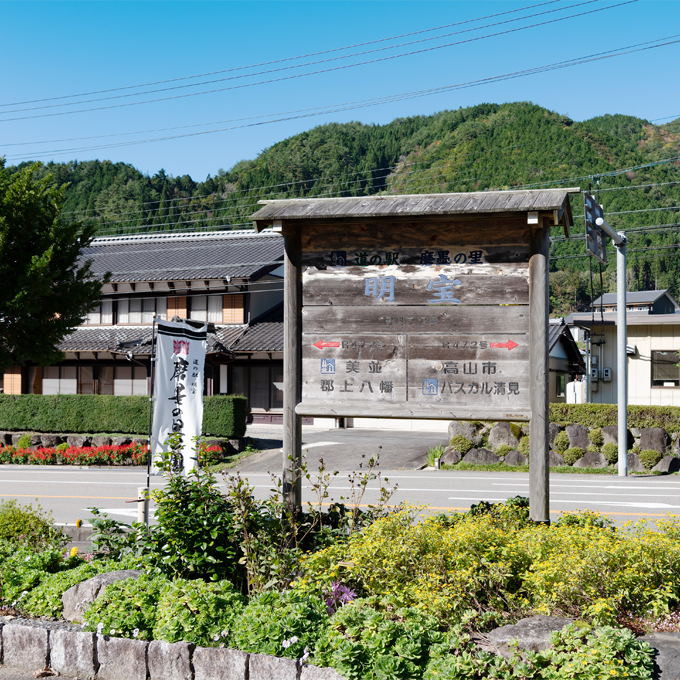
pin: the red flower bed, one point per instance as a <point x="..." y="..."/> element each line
<point x="131" y="454"/>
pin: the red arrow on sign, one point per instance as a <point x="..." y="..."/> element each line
<point x="321" y="344"/>
<point x="509" y="344"/>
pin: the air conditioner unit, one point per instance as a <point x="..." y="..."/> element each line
<point x="607" y="374"/>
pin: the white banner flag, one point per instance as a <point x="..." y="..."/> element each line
<point x="178" y="388"/>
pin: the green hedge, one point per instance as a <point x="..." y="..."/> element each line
<point x="601" y="415"/>
<point x="223" y="416"/>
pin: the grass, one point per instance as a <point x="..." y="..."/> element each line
<point x="562" y="469"/>
<point x="236" y="458"/>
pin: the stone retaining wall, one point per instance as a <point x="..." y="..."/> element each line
<point x="33" y="645"/>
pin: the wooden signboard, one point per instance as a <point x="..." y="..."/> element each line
<point x="428" y="306"/>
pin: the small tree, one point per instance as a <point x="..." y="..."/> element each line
<point x="47" y="286"/>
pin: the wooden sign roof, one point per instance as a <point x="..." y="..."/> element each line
<point x="383" y="206"/>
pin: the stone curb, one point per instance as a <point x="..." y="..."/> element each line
<point x="27" y="646"/>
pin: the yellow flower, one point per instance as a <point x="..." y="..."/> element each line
<point x="73" y="552"/>
<point x="79" y="523"/>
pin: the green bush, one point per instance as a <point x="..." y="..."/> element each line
<point x="649" y="458"/>
<point x="22" y="524"/>
<point x="611" y="452"/>
<point x="223" y="415"/>
<point x="198" y="612"/>
<point x="591" y="448"/>
<point x="24" y="441"/>
<point x="462" y="444"/>
<point x="601" y="415"/>
<point x="572" y="455"/>
<point x="516" y="430"/>
<point x="596" y="436"/>
<point x="62" y="447"/>
<point x="272" y="619"/>
<point x="562" y="442"/>
<point x="127" y="608"/>
<point x="503" y="450"/>
<point x="523" y="447"/>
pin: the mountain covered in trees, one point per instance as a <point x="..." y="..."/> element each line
<point x="485" y="147"/>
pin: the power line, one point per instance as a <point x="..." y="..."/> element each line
<point x="295" y="66"/>
<point x="321" y="71"/>
<point x="279" y="61"/>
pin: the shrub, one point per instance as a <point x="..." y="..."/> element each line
<point x="600" y="415"/>
<point x="198" y="612"/>
<point x="462" y="444"/>
<point x="649" y="458"/>
<point x="524" y="445"/>
<point x="591" y="448"/>
<point x="127" y="608"/>
<point x="572" y="455"/>
<point x="611" y="452"/>
<point x="223" y="415"/>
<point x="503" y="450"/>
<point x="22" y="524"/>
<point x="516" y="430"/>
<point x="596" y="436"/>
<point x="62" y="447"/>
<point x="373" y="640"/>
<point x="24" y="441"/>
<point x="562" y="442"/>
<point x="281" y="624"/>
<point x="584" y="518"/>
<point x="433" y="453"/>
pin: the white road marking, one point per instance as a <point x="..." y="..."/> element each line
<point x="93" y="483"/>
<point x="649" y="506"/>
<point x="313" y="445"/>
<point x="622" y="487"/>
<point x="125" y="512"/>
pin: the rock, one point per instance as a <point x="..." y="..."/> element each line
<point x="213" y="663"/>
<point x="121" y="441"/>
<point x="481" y="457"/>
<point x="578" y="436"/>
<point x="592" y="459"/>
<point x="555" y="459"/>
<point x="533" y="635"/>
<point x="451" y="456"/>
<point x="611" y="436"/>
<point x="515" y="458"/>
<point x="5" y="439"/>
<point x="77" y="440"/>
<point x="73" y="652"/>
<point x="262" y="667"/>
<point x="141" y="441"/>
<point x="121" y="658"/>
<point x="49" y="441"/>
<point x="655" y="438"/>
<point x="553" y="430"/>
<point x="634" y="463"/>
<point x="36" y="440"/>
<point x="667" y="465"/>
<point x="667" y="656"/>
<point x="88" y="591"/>
<point x="238" y="444"/>
<point x="501" y="434"/>
<point x="25" y="646"/>
<point x="170" y="661"/>
<point x="100" y="441"/>
<point x="471" y="431"/>
<point x="16" y="437"/>
<point x="318" y="673"/>
<point x="636" y="432"/>
<point x="675" y="448"/>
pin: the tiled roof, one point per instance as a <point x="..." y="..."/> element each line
<point x="265" y="335"/>
<point x="634" y="297"/>
<point x="384" y="205"/>
<point x="214" y="255"/>
<point x="109" y="339"/>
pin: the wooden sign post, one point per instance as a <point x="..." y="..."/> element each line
<point x="432" y="306"/>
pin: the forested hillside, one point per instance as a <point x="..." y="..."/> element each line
<point x="483" y="147"/>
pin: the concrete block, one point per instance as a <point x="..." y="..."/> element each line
<point x="74" y="653"/>
<point x="170" y="661"/>
<point x="215" y="663"/>
<point x="25" y="646"/>
<point x="263" y="667"/>
<point x="318" y="673"/>
<point x="121" y="658"/>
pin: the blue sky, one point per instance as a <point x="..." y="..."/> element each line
<point x="58" y="49"/>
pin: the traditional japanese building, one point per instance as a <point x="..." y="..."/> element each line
<point x="230" y="279"/>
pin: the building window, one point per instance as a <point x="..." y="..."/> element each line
<point x="129" y="380"/>
<point x="206" y="308"/>
<point x="256" y="383"/>
<point x="140" y="311"/>
<point x="665" y="371"/>
<point x="60" y="380"/>
<point x="560" y="384"/>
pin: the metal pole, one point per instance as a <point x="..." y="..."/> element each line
<point x="150" y="451"/>
<point x="539" y="471"/>
<point x="621" y="358"/>
<point x="292" y="370"/>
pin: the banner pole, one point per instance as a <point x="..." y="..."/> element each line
<point x="151" y="396"/>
